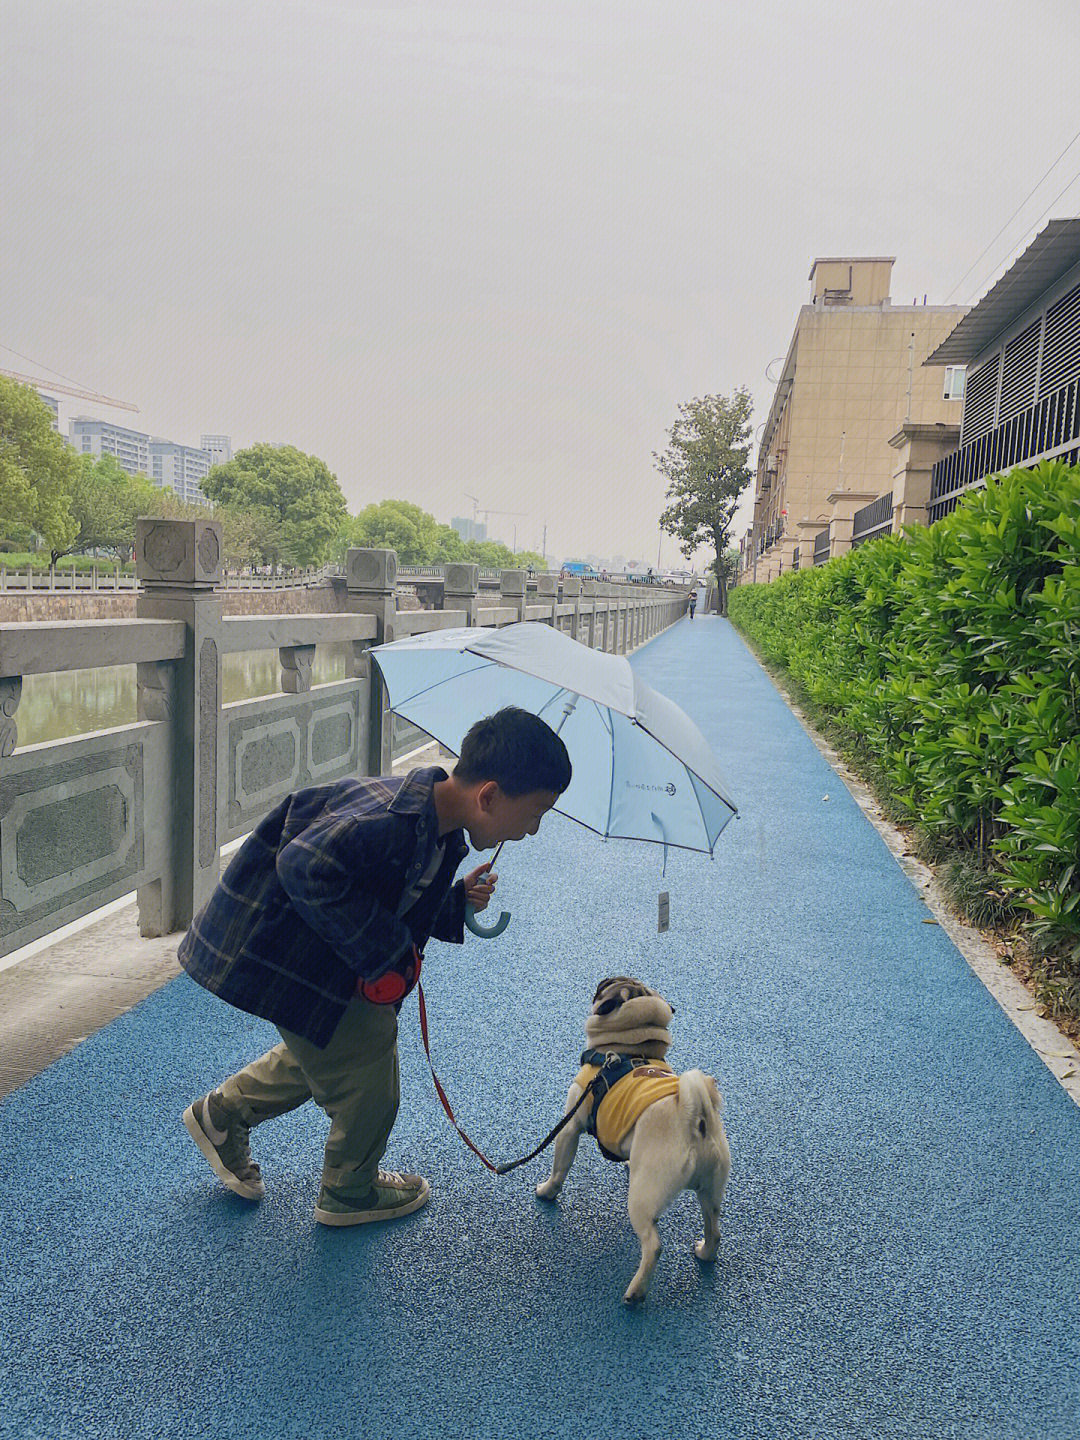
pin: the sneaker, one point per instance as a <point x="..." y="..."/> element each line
<point x="391" y="1195"/>
<point x="223" y="1139"/>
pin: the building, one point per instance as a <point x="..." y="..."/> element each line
<point x="1021" y="347"/>
<point x="854" y="396"/>
<point x="130" y="448"/>
<point x="54" y="406"/>
<point x="219" y="448"/>
<point x="180" y="468"/>
<point x="468" y="529"/>
<point x="175" y="467"/>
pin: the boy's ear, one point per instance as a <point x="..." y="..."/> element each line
<point x="486" y="794"/>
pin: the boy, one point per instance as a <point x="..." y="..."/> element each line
<point x="319" y="924"/>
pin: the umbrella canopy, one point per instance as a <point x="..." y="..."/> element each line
<point x="642" y="768"/>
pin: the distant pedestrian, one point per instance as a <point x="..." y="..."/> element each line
<point x="693" y="603"/>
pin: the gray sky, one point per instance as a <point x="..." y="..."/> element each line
<point x="489" y="247"/>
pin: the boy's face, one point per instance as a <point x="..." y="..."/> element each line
<point x="499" y="816"/>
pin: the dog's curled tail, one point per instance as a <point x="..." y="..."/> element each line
<point x="700" y="1103"/>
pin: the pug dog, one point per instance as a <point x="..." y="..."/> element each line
<point x="667" y="1126"/>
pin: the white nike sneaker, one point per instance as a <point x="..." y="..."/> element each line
<point x="223" y="1139"/>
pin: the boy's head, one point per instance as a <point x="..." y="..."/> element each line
<point x="513" y="767"/>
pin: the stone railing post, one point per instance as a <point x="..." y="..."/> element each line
<point x="370" y="580"/>
<point x="512" y="590"/>
<point x="589" y="589"/>
<point x="547" y="589"/>
<point x="571" y="590"/>
<point x="179" y="568"/>
<point x="461" y="590"/>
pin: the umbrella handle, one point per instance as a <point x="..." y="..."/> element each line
<point x="486" y="932"/>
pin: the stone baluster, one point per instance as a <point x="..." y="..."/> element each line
<point x="296" y="662"/>
<point x="10" y="695"/>
<point x="547" y="590"/>
<point x="513" y="592"/>
<point x="571" y="590"/>
<point x="370" y="581"/>
<point x="461" y="590"/>
<point x="589" y="589"/>
<point x="178" y="569"/>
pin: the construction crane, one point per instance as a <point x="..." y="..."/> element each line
<point x="75" y="390"/>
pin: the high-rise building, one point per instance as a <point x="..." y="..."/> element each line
<point x="130" y="448"/>
<point x="218" y="447"/>
<point x="54" y="405"/>
<point x="180" y="467"/>
<point x="175" y="467"/>
<point x="468" y="529"/>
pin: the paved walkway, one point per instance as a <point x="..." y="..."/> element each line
<point x="900" y="1252"/>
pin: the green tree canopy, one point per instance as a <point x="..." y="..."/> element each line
<point x="38" y="469"/>
<point x="706" y="467"/>
<point x="420" y="539"/>
<point x="104" y="503"/>
<point x="296" y="498"/>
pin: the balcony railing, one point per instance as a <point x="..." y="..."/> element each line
<point x="822" y="545"/>
<point x="1047" y="428"/>
<point x="873" y="520"/>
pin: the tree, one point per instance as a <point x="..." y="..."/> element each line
<point x="296" y="497"/>
<point x="104" y="503"/>
<point x="38" y="469"/>
<point x="419" y="539"/>
<point x="706" y="467"/>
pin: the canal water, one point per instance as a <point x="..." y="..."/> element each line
<point x="75" y="702"/>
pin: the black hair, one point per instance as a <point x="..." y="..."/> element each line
<point x="517" y="750"/>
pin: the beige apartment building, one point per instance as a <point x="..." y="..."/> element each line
<point x="856" y="423"/>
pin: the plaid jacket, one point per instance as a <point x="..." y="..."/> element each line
<point x="309" y="902"/>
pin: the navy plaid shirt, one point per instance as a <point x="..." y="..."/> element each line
<point x="309" y="902"/>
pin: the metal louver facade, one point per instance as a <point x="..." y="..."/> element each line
<point x="1022" y="399"/>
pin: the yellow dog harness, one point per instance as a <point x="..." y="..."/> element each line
<point x="626" y="1099"/>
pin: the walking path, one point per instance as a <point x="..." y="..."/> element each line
<point x="900" y="1251"/>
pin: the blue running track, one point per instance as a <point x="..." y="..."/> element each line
<point x="900" y="1252"/>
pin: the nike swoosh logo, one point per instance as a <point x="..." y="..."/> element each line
<point x="213" y="1134"/>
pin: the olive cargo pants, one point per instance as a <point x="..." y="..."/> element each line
<point x="355" y="1079"/>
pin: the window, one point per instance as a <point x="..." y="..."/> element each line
<point x="954" y="382"/>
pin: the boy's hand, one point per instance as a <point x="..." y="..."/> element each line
<point x="478" y="885"/>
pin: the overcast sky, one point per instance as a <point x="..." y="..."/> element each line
<point x="489" y="247"/>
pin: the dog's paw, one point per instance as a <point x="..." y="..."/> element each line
<point x="634" y="1296"/>
<point x="705" y="1250"/>
<point x="548" y="1190"/>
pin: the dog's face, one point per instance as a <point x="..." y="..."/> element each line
<point x="616" y="990"/>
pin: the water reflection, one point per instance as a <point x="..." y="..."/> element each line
<point x="75" y="702"/>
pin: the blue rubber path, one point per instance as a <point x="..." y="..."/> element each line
<point x="900" y="1251"/>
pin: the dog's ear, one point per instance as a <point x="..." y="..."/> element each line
<point x="619" y="988"/>
<point x="613" y="982"/>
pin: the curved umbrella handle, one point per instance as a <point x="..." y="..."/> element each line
<point x="486" y="932"/>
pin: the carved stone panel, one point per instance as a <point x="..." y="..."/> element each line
<point x="371" y="570"/>
<point x="178" y="552"/>
<point x="208" y="706"/>
<point x="461" y="580"/>
<point x="68" y="831"/>
<point x="276" y="748"/>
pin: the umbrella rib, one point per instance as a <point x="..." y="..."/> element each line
<point x="446" y="680"/>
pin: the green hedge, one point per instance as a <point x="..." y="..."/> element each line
<point x="19" y="560"/>
<point x="952" y="655"/>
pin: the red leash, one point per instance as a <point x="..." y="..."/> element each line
<point x="510" y="1164"/>
<point x="441" y="1092"/>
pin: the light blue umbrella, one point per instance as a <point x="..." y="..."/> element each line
<point x="642" y="768"/>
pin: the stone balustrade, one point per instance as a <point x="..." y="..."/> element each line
<point x="148" y="806"/>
